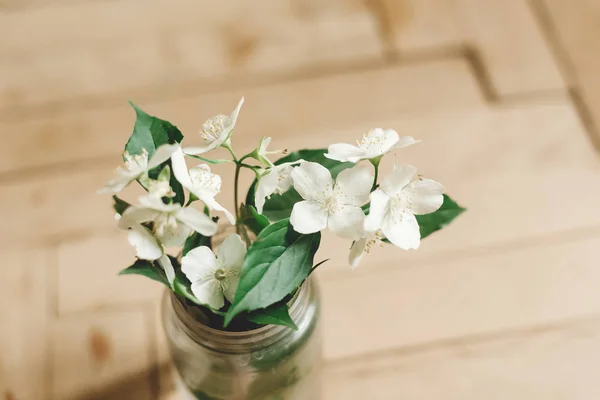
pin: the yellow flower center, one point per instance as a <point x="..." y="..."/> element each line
<point x="213" y="128"/>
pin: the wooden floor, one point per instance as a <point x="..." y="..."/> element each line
<point x="505" y="94"/>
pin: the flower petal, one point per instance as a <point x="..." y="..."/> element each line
<point x="197" y="220"/>
<point x="135" y="215"/>
<point x="234" y="116"/>
<point x="167" y="266"/>
<point x="308" y="217"/>
<point x="285" y="181"/>
<point x="403" y="231"/>
<point x="345" y="152"/>
<point x="377" y="210"/>
<point x="230" y="285"/>
<point x="347" y="222"/>
<point x="380" y="141"/>
<point x="231" y="252"/>
<point x="199" y="264"/>
<point x="427" y="196"/>
<point x="209" y="292"/>
<point x="118" y="183"/>
<point x="171" y="234"/>
<point x="357" y="251"/>
<point x="311" y="179"/>
<point x="355" y="183"/>
<point x="214" y="205"/>
<point x="155" y="203"/>
<point x="405" y="141"/>
<point x="195" y="150"/>
<point x="204" y="180"/>
<point x="180" y="169"/>
<point x="266" y="186"/>
<point x="146" y="245"/>
<point x="401" y="175"/>
<point x="162" y="154"/>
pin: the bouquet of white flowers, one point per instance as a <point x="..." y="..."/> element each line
<point x="254" y="273"/>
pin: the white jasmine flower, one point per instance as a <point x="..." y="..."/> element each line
<point x="216" y="131"/>
<point x="137" y="166"/>
<point x="148" y="247"/>
<point x="215" y="277"/>
<point x="159" y="189"/>
<point x="262" y="153"/>
<point x="400" y="197"/>
<point x="171" y="223"/>
<point x="144" y="242"/>
<point x="375" y="143"/>
<point x="328" y="204"/>
<point x="363" y="246"/>
<point x="276" y="179"/>
<point x="200" y="181"/>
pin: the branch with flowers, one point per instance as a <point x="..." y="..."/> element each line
<point x="251" y="277"/>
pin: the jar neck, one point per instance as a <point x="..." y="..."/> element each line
<point x="300" y="311"/>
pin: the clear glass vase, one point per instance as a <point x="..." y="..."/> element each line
<point x="269" y="363"/>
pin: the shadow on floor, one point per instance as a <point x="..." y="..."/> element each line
<point x="142" y="386"/>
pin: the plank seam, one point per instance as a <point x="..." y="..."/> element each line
<point x="550" y="34"/>
<point x="471" y="339"/>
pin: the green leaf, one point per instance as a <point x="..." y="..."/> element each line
<point x="253" y="220"/>
<point x="182" y="288"/>
<point x="200" y="395"/>
<point x="279" y="206"/>
<point x="150" y="133"/>
<point x="120" y="205"/>
<point x="195" y="240"/>
<point x="277" y="314"/>
<point x="148" y="269"/>
<point x="275" y="265"/>
<point x="430" y="223"/>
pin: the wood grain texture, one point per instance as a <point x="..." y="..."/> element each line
<point x="24" y="314"/>
<point x="576" y="27"/>
<point x="450" y="299"/>
<point x="98" y="259"/>
<point x="558" y="363"/>
<point x="125" y="46"/>
<point x="501" y="305"/>
<point x="279" y="110"/>
<point x="512" y="47"/>
<point x="104" y="355"/>
<point x="423" y="25"/>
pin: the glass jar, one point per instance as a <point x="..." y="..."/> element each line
<point x="272" y="362"/>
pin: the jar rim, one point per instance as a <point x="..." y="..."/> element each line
<point x="241" y="341"/>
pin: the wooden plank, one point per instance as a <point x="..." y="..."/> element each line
<point x="423" y="25"/>
<point x="105" y="355"/>
<point x="286" y="108"/>
<point x="79" y="261"/>
<point x="576" y="25"/>
<point x="161" y="44"/>
<point x="561" y="363"/>
<point x="23" y="324"/>
<point x="399" y="305"/>
<point x="512" y="47"/>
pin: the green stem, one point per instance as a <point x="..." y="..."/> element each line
<point x="375" y="162"/>
<point x="252" y="167"/>
<point x="238" y="167"/>
<point x="228" y="147"/>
